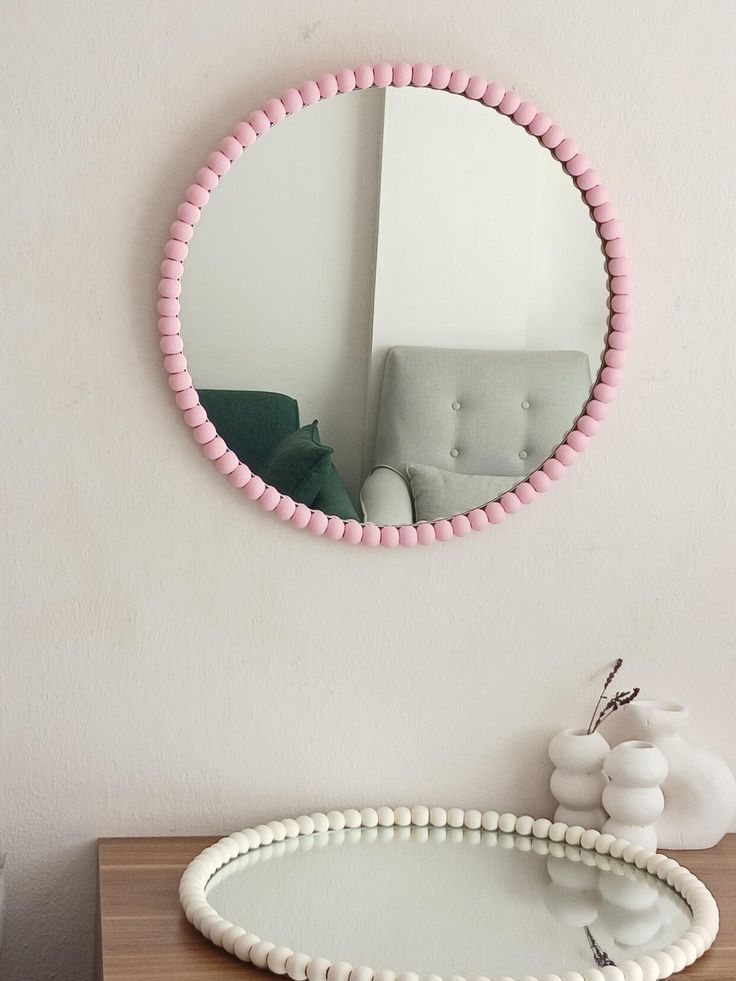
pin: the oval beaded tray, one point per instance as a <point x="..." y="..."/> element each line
<point x="621" y="864"/>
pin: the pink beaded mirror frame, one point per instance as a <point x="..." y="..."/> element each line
<point x="602" y="212"/>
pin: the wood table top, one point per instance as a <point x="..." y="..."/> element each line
<point x="144" y="936"/>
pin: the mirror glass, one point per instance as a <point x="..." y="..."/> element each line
<point x="394" y="305"/>
<point x="448" y="902"/>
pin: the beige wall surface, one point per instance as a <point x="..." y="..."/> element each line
<point x="173" y="661"/>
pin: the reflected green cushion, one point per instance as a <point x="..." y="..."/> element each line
<point x="299" y="465"/>
<point x="251" y="423"/>
<point x="333" y="498"/>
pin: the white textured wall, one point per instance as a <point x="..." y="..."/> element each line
<point x="173" y="660"/>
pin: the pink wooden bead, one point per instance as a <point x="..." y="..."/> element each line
<point x="493" y="94"/>
<point x="227" y="463"/>
<point x="495" y="513"/>
<point x="188" y="213"/>
<point x="612" y="376"/>
<point x="383" y="75"/>
<point x="270" y="499"/>
<point x="195" y="416"/>
<point x="204" y="433"/>
<point x="605" y="212"/>
<point x="407" y="533"/>
<point x="587" y="425"/>
<point x="174" y="363"/>
<point x="566" y="454"/>
<point x="207" y="178"/>
<point x="318" y="523"/>
<point x="187" y="398"/>
<point x="553" y="468"/>
<point x="441" y="76"/>
<point x="578" y="165"/>
<point x="255" y="488"/>
<point x="588" y="179"/>
<point x="610" y="229"/>
<point x="177" y="383"/>
<point x="309" y="91"/>
<point x="615" y="248"/>
<point x="371" y="535"/>
<point x="231" y="148"/>
<point x="197" y="195"/>
<point x="170" y="344"/>
<point x="553" y="137"/>
<point x="169" y="287"/>
<point x="181" y="231"/>
<point x="346" y="82"/>
<point x="260" y="122"/>
<point x="327" y="85"/>
<point x="510" y="103"/>
<point x="218" y="162"/>
<point x="621" y="284"/>
<point x="402" y="75"/>
<point x="389" y="536"/>
<point x="476" y="87"/>
<point x="171" y="269"/>
<point x="540" y="124"/>
<point x="364" y="80"/>
<point x="461" y="525"/>
<point x="458" y="82"/>
<point x="597" y="195"/>
<point x="622" y="321"/>
<point x="622" y="303"/>
<point x="525" y="113"/>
<point x="616" y="359"/>
<point x="176" y="250"/>
<point x="168" y="306"/>
<point x="353" y="532"/>
<point x="604" y="393"/>
<point x="620" y="266"/>
<point x="421" y="74"/>
<point x="577" y="440"/>
<point x="510" y="503"/>
<point x="335" y="528"/>
<point x="443" y="530"/>
<point x="240" y="476"/>
<point x="275" y="109"/>
<point x="597" y="410"/>
<point x="169" y="325"/>
<point x="525" y="492"/>
<point x="285" y="508"/>
<point x="539" y="481"/>
<point x="566" y="150"/>
<point x="291" y="100"/>
<point x="215" y="449"/>
<point x="478" y="519"/>
<point x="425" y="534"/>
<point x="245" y="134"/>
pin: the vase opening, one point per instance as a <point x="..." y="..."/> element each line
<point x="639" y="744"/>
<point x="649" y="703"/>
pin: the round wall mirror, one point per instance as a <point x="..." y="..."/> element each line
<point x="398" y="308"/>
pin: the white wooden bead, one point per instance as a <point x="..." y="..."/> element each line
<point x="321" y="822"/>
<point x="306" y="825"/>
<point x="218" y="931"/>
<point x="489" y="820"/>
<point x="557" y="831"/>
<point x="241" y="841"/>
<point x="402" y="817"/>
<point x="276" y="960"/>
<point x="632" y="971"/>
<point x="507" y="822"/>
<point x="385" y="817"/>
<point x="573" y="834"/>
<point x="207" y="922"/>
<point x="541" y="828"/>
<point x="649" y="967"/>
<point x="259" y="952"/>
<point x="384" y="976"/>
<point x="336" y="820"/>
<point x="473" y="819"/>
<point x="438" y="817"/>
<point x="244" y="945"/>
<point x="420" y="818"/>
<point x="277" y="830"/>
<point x="524" y="825"/>
<point x="229" y="938"/>
<point x="407" y="976"/>
<point x="603" y="844"/>
<point x="589" y="838"/>
<point x="317" y="969"/>
<point x="352" y="818"/>
<point x="678" y="957"/>
<point x="369" y="817"/>
<point x="630" y="852"/>
<point x="339" y="971"/>
<point x="665" y="963"/>
<point x="296" y="966"/>
<point x="290" y="827"/>
<point x="455" y="817"/>
<point x="253" y="837"/>
<point x="264" y="833"/>
<point x="613" y="973"/>
<point x="362" y="973"/>
<point x="572" y="976"/>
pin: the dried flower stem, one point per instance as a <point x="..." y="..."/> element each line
<point x="614" y="671"/>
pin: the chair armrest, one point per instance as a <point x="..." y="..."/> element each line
<point x="386" y="499"/>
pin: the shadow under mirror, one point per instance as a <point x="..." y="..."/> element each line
<point x="394" y="306"/>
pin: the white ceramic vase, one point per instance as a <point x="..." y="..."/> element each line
<point x="634" y="798"/>
<point x="700" y="789"/>
<point x="577" y="781"/>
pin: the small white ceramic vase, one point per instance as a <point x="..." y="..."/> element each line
<point x="700" y="789"/>
<point x="634" y="797"/>
<point x="578" y="780"/>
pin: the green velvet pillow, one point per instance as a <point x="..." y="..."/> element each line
<point x="299" y="464"/>
<point x="333" y="498"/>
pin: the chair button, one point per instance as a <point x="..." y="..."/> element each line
<point x="523" y="454"/>
<point x="454" y="452"/>
<point x="525" y="404"/>
<point x="456" y="406"/>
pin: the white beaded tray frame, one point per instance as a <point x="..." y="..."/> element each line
<point x="602" y="212"/>
<point x="279" y="959"/>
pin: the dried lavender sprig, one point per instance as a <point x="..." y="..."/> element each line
<point x="618" y="701"/>
<point x="614" y="671"/>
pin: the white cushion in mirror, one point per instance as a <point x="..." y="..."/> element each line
<point x="442" y="493"/>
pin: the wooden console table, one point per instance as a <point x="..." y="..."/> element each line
<point x="143" y="935"/>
